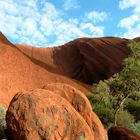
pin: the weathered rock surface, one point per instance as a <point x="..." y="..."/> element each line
<point x="118" y="133"/>
<point x="86" y="59"/>
<point x="98" y="129"/>
<point x="19" y="72"/>
<point x="43" y="115"/>
<point x="81" y="104"/>
<point x="75" y="97"/>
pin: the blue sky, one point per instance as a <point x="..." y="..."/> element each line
<point x="54" y="22"/>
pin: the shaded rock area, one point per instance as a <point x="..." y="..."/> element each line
<point x="43" y="115"/>
<point x="86" y="59"/>
<point x="118" y="133"/>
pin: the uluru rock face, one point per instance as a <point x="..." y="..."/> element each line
<point x="19" y="73"/>
<point x="44" y="115"/>
<point x="118" y="133"/>
<point x="86" y="59"/>
<point x="58" y="109"/>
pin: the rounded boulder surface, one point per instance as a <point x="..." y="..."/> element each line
<point x="75" y="97"/>
<point x="98" y="129"/>
<point x="82" y="105"/>
<point x="43" y="115"/>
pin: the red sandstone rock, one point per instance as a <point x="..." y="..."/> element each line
<point x="19" y="72"/>
<point x="98" y="129"/>
<point x="81" y="104"/>
<point x="75" y="97"/>
<point x="43" y="115"/>
<point x="86" y="59"/>
<point x="118" y="133"/>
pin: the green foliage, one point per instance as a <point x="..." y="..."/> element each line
<point x="134" y="108"/>
<point x="125" y="119"/>
<point x="135" y="127"/>
<point x="117" y="100"/>
<point x="2" y="122"/>
<point x="105" y="114"/>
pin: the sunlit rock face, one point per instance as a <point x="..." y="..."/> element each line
<point x="45" y="115"/>
<point x="18" y="72"/>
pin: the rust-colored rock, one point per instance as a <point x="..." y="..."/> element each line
<point x="118" y="133"/>
<point x="86" y="59"/>
<point x="98" y="129"/>
<point x="19" y="72"/>
<point x="43" y="115"/>
<point x="75" y="97"/>
<point x="81" y="104"/>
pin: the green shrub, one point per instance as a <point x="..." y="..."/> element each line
<point x="2" y="122"/>
<point x="125" y="119"/>
<point x="105" y="114"/>
<point x="135" y="127"/>
<point x="93" y="99"/>
<point x="110" y="97"/>
<point x="134" y="108"/>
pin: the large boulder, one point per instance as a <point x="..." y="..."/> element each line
<point x="118" y="133"/>
<point x="43" y="115"/>
<point x="82" y="105"/>
<point x="75" y="97"/>
<point x="98" y="129"/>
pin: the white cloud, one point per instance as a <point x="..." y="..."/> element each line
<point x="94" y="31"/>
<point x="50" y="10"/>
<point x="132" y="32"/>
<point x="70" y="4"/>
<point x="128" y="22"/>
<point x="26" y="23"/>
<point x="124" y="4"/>
<point x="96" y="16"/>
<point x="131" y="23"/>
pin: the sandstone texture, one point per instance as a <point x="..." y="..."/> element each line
<point x="86" y="59"/>
<point x="81" y="104"/>
<point x="43" y="115"/>
<point x="19" y="73"/>
<point x="78" y="63"/>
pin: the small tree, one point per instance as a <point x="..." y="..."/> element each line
<point x="127" y="82"/>
<point x="116" y="90"/>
